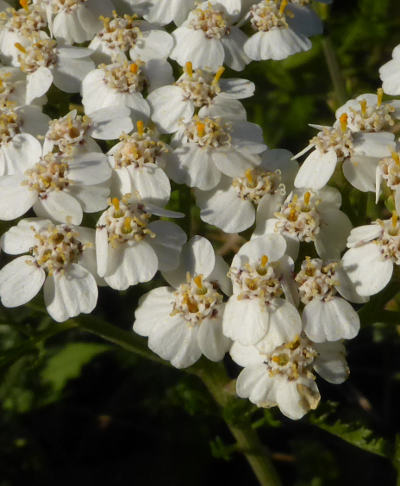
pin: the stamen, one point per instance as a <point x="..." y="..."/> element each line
<point x="218" y="75"/>
<point x="24" y="4"/>
<point x="127" y="226"/>
<point x="200" y="127"/>
<point x="380" y="96"/>
<point x="189" y="69"/>
<point x="283" y="6"/>
<point x="343" y="122"/>
<point x="395" y="157"/>
<point x="20" y="47"/>
<point x="140" y="127"/>
<point x="115" y="203"/>
<point x="264" y="260"/>
<point x="198" y="281"/>
<point x="363" y="104"/>
<point x="133" y="68"/>
<point x="307" y="197"/>
<point x="249" y="176"/>
<point x="395" y="219"/>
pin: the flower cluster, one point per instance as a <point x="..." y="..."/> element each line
<point x="282" y="318"/>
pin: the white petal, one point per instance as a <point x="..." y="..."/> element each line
<point x="59" y="206"/>
<point x="110" y="123"/>
<point x="213" y="344"/>
<point x="222" y="207"/>
<point x="21" y="153"/>
<point x="363" y="234"/>
<point x="38" y="83"/>
<point x="152" y="44"/>
<point x="167" y="244"/>
<point x="130" y="265"/>
<point x="277" y="44"/>
<point x="70" y="71"/>
<point x="331" y="240"/>
<point x="316" y="170"/>
<point x="15" y="199"/>
<point x="70" y="294"/>
<point x="233" y="43"/>
<point x="295" y="404"/>
<point x="89" y="169"/>
<point x="91" y="198"/>
<point x="21" y="238"/>
<point x="245" y="355"/>
<point x="271" y="245"/>
<point x="366" y="268"/>
<point x="331" y="362"/>
<point x="331" y="320"/>
<point x="175" y="341"/>
<point x="245" y="320"/>
<point x="360" y="171"/>
<point x="154" y="307"/>
<point x="20" y="281"/>
<point x="169" y="107"/>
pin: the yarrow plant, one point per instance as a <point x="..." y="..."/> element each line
<point x="116" y="117"/>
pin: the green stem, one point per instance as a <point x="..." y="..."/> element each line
<point x="218" y="383"/>
<point x="335" y="72"/>
<point x="220" y="386"/>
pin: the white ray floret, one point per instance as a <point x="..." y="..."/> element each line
<point x="284" y="376"/>
<point x="17" y="125"/>
<point x="13" y="88"/>
<point x="310" y="216"/>
<point x="327" y="316"/>
<point x="207" y="147"/>
<point x="124" y="84"/>
<point x="373" y="250"/>
<point x="121" y="35"/>
<point x="202" y="90"/>
<point x="75" y="20"/>
<point x="360" y="153"/>
<point x="55" y="186"/>
<point x="274" y="39"/>
<point x="138" y="161"/>
<point x="390" y="74"/>
<point x="18" y="25"/>
<point x="75" y="133"/>
<point x="130" y="249"/>
<point x="261" y="275"/>
<point x="45" y="63"/>
<point x="160" y="12"/>
<point x="234" y="203"/>
<point x="61" y="257"/>
<point x="184" y="321"/>
<point x="208" y="39"/>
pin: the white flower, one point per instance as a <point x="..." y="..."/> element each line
<point x="160" y="12"/>
<point x="55" y="186"/>
<point x="310" y="216"/>
<point x="138" y="161"/>
<point x="274" y="39"/>
<point x="388" y="170"/>
<point x="122" y="34"/>
<point x="284" y="376"/>
<point x="368" y="113"/>
<point x="13" y="88"/>
<point x="198" y="89"/>
<point x="122" y="84"/>
<point x="360" y="152"/>
<point x="45" y="63"/>
<point x="61" y="257"/>
<point x="261" y="274"/>
<point x="390" y="74"/>
<point x="374" y="249"/>
<point x="129" y="248"/>
<point x="303" y="19"/>
<point x="16" y="26"/>
<point x="206" y="147"/>
<point x="233" y="204"/>
<point x="15" y="125"/>
<point x="74" y="132"/>
<point x="75" y="20"/>
<point x="185" y="321"/>
<point x="326" y="316"/>
<point x="208" y="39"/>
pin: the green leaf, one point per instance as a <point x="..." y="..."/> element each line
<point x="68" y="363"/>
<point x="355" y="433"/>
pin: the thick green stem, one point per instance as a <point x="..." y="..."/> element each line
<point x="335" y="72"/>
<point x="220" y="386"/>
<point x="218" y="383"/>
